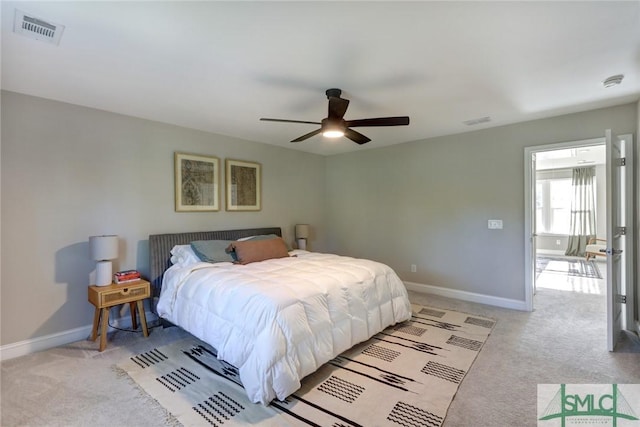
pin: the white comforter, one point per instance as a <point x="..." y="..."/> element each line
<point x="280" y="320"/>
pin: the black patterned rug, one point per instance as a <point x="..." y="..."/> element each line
<point x="406" y="375"/>
<point x="569" y="266"/>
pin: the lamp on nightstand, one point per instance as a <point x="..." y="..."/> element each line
<point x="302" y="234"/>
<point x="103" y="249"/>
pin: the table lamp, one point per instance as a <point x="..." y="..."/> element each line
<point x="103" y="249"/>
<point x="302" y="234"/>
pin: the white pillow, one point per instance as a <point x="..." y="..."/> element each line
<point x="183" y="254"/>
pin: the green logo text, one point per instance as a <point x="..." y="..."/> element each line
<point x="565" y="405"/>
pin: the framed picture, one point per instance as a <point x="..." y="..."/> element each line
<point x="197" y="183"/>
<point x="243" y="185"/>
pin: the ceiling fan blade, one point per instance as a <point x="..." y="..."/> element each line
<point x="337" y="107"/>
<point x="356" y="137"/>
<point x="380" y="121"/>
<point x="289" y="121"/>
<point x="307" y="136"/>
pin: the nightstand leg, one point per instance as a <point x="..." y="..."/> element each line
<point x="96" y="322"/>
<point x="132" y="309"/>
<point x="103" y="332"/>
<point x="143" y="318"/>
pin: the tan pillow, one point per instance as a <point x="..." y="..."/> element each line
<point x="258" y="250"/>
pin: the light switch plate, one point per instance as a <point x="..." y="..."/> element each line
<point x="495" y="224"/>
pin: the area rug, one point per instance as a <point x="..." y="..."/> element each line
<point x="406" y="375"/>
<point x="569" y="266"/>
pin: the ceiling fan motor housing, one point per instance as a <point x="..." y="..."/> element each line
<point x="333" y="124"/>
<point x="333" y="93"/>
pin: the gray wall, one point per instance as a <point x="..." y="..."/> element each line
<point x="427" y="202"/>
<point x="69" y="172"/>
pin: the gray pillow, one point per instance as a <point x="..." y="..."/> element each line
<point x="212" y="250"/>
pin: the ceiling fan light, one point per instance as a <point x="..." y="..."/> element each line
<point x="333" y="133"/>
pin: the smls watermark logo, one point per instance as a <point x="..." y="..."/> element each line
<point x="588" y="405"/>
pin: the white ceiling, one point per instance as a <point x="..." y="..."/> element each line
<point x="220" y="66"/>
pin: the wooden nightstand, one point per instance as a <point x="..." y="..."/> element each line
<point x="104" y="297"/>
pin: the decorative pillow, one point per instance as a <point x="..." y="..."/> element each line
<point x="212" y="250"/>
<point x="183" y="254"/>
<point x="265" y="237"/>
<point x="248" y="251"/>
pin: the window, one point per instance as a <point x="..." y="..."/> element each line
<point x="553" y="205"/>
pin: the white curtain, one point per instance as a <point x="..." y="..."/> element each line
<point x="583" y="211"/>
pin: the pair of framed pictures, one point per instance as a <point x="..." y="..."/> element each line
<point x="197" y="184"/>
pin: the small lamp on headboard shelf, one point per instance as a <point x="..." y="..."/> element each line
<point x="103" y="249"/>
<point x="302" y="234"/>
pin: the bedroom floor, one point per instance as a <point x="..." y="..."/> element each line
<point x="562" y="341"/>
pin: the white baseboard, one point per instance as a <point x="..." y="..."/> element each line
<point x="467" y="296"/>
<point x="22" y="348"/>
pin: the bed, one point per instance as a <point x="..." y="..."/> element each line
<point x="276" y="320"/>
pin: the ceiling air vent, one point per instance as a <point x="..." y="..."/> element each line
<point x="36" y="28"/>
<point x="477" y="121"/>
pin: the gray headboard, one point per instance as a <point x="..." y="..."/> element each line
<point x="160" y="246"/>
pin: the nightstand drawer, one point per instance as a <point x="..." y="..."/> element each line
<point x="126" y="294"/>
<point x="116" y="294"/>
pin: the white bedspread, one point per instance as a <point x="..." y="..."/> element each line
<point x="280" y="320"/>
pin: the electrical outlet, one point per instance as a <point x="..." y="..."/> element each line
<point x="494" y="224"/>
<point x="558" y="242"/>
<point x="414" y="268"/>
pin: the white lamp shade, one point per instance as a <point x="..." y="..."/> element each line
<point x="302" y="231"/>
<point x="103" y="247"/>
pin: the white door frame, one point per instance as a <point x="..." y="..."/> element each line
<point x="529" y="182"/>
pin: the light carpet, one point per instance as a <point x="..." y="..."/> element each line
<point x="406" y="375"/>
<point x="570" y="266"/>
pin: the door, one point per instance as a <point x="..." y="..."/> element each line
<point x="619" y="250"/>
<point x="530" y="226"/>
<point x="534" y="223"/>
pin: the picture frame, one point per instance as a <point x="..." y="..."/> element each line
<point x="197" y="183"/>
<point x="243" y="185"/>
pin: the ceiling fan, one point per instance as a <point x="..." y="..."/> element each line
<point x="335" y="126"/>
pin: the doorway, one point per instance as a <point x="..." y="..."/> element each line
<point x="621" y="313"/>
<point x="561" y="260"/>
<point x="556" y="261"/>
